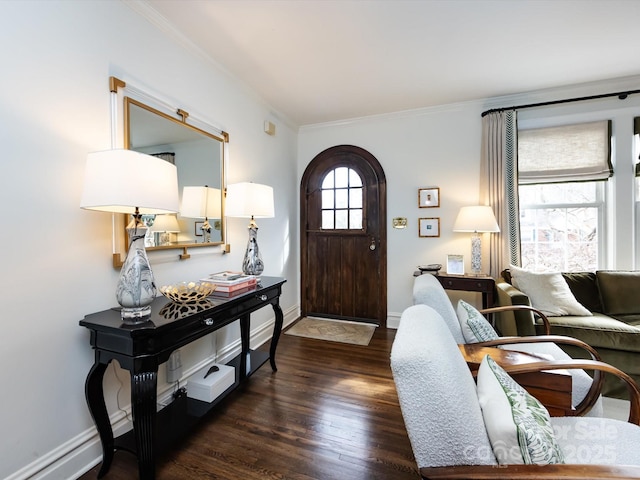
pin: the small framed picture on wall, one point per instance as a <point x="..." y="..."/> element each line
<point x="429" y="197"/>
<point x="455" y="264"/>
<point x="429" y="227"/>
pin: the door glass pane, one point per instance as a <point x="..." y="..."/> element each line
<point x="342" y="221"/>
<point x="355" y="218"/>
<point x="327" y="199"/>
<point x="327" y="219"/>
<point x="342" y="177"/>
<point x="354" y="179"/>
<point x="355" y="198"/>
<point x="342" y="198"/>
<point x="328" y="180"/>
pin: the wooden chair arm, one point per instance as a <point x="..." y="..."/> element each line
<point x="528" y="472"/>
<point x="507" y="308"/>
<point x="634" y="390"/>
<point x="593" y="353"/>
<point x="598" y="379"/>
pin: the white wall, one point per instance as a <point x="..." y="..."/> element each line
<point x="56" y="268"/>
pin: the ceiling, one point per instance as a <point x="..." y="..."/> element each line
<point x="316" y="61"/>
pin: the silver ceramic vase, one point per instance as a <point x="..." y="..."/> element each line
<point x="136" y="287"/>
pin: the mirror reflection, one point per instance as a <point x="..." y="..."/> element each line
<point x="199" y="158"/>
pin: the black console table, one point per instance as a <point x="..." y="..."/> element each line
<point x="141" y="348"/>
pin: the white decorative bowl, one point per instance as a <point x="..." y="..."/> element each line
<point x="184" y="292"/>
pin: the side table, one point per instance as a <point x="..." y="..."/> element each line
<point x="485" y="284"/>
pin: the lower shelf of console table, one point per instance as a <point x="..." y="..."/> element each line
<point x="142" y="347"/>
<point x="180" y="417"/>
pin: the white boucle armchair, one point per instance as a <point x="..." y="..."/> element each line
<point x="443" y="418"/>
<point x="586" y="390"/>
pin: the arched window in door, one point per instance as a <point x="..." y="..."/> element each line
<point x="342" y="200"/>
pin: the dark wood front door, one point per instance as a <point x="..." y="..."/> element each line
<point x="343" y="236"/>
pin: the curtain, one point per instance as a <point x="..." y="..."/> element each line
<point x="636" y="133"/>
<point x="499" y="186"/>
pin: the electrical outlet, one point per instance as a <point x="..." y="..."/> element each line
<point x="174" y="367"/>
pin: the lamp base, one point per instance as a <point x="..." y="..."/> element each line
<point x="133" y="316"/>
<point x="136" y="287"/>
<point x="476" y="255"/>
<point x="164" y="239"/>
<point x="252" y="263"/>
<point x="206" y="231"/>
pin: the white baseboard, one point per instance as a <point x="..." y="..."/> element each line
<point x="84" y="451"/>
<point x="393" y="320"/>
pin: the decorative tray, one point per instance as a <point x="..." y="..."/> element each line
<point x="184" y="292"/>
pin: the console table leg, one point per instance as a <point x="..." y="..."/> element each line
<point x="244" y="340"/>
<point x="143" y="398"/>
<point x="277" y="328"/>
<point x="95" y="401"/>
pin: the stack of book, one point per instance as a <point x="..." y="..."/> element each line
<point x="229" y="284"/>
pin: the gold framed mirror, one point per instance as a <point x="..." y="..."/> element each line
<point x="199" y="156"/>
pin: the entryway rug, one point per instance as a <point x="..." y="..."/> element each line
<point x="333" y="330"/>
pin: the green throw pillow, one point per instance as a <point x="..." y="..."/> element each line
<point x="518" y="425"/>
<point x="475" y="327"/>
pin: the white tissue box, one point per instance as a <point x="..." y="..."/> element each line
<point x="208" y="389"/>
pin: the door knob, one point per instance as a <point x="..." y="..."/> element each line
<point x="373" y="244"/>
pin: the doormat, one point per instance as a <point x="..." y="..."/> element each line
<point x="333" y="330"/>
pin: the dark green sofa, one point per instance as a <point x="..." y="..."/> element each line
<point x="612" y="296"/>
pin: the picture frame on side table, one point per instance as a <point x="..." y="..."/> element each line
<point x="197" y="226"/>
<point x="455" y="264"/>
<point x="429" y="227"/>
<point x="429" y="197"/>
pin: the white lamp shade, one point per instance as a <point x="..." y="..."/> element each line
<point x="166" y="223"/>
<point x="249" y="200"/>
<point x="201" y="202"/>
<point x="120" y="180"/>
<point x="477" y="218"/>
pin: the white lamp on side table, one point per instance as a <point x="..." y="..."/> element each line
<point x="202" y="202"/>
<point x="125" y="181"/>
<point x="250" y="200"/>
<point x="476" y="219"/>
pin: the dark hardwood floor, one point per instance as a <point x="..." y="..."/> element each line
<point x="329" y="413"/>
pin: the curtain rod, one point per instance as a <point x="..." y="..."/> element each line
<point x="620" y="95"/>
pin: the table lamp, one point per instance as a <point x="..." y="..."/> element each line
<point x="125" y="181"/>
<point x="165" y="225"/>
<point x="202" y="202"/>
<point x="250" y="200"/>
<point x="476" y="219"/>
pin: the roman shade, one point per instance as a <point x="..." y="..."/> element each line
<point x="567" y="153"/>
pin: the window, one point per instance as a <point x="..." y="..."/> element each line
<point x="342" y="196"/>
<point x="561" y="194"/>
<point x="560" y="226"/>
